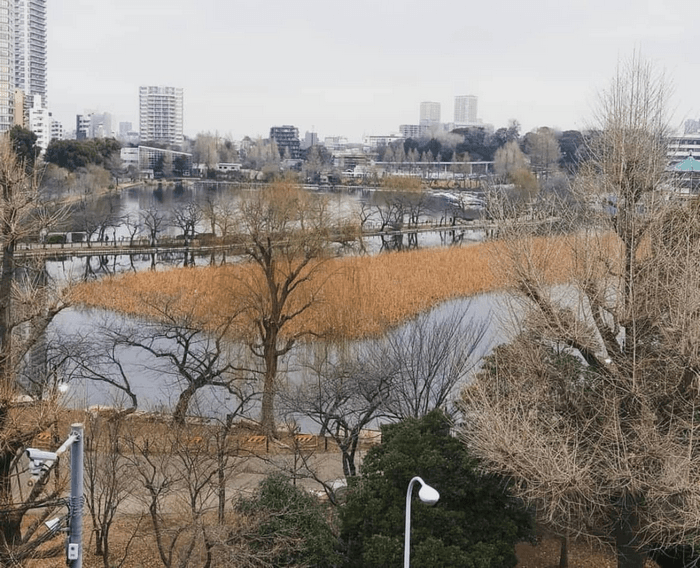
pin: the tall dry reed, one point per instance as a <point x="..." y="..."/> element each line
<point x="359" y="296"/>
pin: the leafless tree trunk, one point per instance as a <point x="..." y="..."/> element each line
<point x="286" y="231"/>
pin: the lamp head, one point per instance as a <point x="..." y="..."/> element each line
<point x="428" y="494"/>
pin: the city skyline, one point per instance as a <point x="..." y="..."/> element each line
<point x="345" y="69"/>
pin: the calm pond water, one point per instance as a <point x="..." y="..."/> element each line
<point x="345" y="203"/>
<point x="157" y="390"/>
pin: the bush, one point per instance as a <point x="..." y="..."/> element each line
<point x="475" y="523"/>
<point x="292" y="525"/>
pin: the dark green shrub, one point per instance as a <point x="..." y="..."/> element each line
<point x="476" y="523"/>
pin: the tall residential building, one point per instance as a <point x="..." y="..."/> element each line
<point x="465" y="109"/>
<point x="429" y="113"/>
<point x="30" y="48"/>
<point x="310" y="139"/>
<point x="160" y="114"/>
<point x="287" y="139"/>
<point x="82" y="126"/>
<point x="40" y="122"/>
<point x="7" y="65"/>
<point x="57" y="132"/>
<point x="410" y="130"/>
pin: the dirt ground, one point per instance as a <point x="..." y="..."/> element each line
<point x="546" y="555"/>
<point x="143" y="553"/>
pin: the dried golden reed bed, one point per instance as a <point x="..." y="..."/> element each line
<point x="358" y="297"/>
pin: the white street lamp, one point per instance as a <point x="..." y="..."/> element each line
<point x="429" y="496"/>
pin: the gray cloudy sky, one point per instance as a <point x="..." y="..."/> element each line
<point x="358" y="67"/>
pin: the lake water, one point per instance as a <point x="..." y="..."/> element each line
<point x="346" y="204"/>
<point x="158" y="391"/>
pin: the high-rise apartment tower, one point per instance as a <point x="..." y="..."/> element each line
<point x="465" y="109"/>
<point x="287" y="139"/>
<point x="7" y="65"/>
<point x="429" y="113"/>
<point x="160" y="114"/>
<point x="30" y="49"/>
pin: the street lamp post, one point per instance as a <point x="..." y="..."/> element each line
<point x="426" y="494"/>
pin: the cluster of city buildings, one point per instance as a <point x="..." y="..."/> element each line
<point x="23" y="93"/>
<point x="430" y="123"/>
<point x="24" y="101"/>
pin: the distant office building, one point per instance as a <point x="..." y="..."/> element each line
<point x="100" y="125"/>
<point x="30" y="49"/>
<point x="691" y="126"/>
<point x="127" y="134"/>
<point x="335" y="143"/>
<point x="429" y="113"/>
<point x="680" y="147"/>
<point x="310" y="139"/>
<point x="160" y="114"/>
<point x="410" y="130"/>
<point x="287" y="139"/>
<point x="381" y="141"/>
<point x="154" y="162"/>
<point x="465" y="109"/>
<point x="82" y="126"/>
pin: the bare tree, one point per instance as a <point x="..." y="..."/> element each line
<point x="508" y="159"/>
<point x="28" y="303"/>
<point x="592" y="409"/>
<point x="221" y="213"/>
<point x="186" y="218"/>
<point x="173" y="344"/>
<point x="177" y="473"/>
<point x="154" y="221"/>
<point x="542" y="147"/>
<point x="95" y="217"/>
<point x="108" y="480"/>
<point x="346" y="390"/>
<point x="286" y="239"/>
<point x="430" y="356"/>
<point x="133" y="224"/>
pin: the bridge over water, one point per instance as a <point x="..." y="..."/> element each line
<point x="206" y="245"/>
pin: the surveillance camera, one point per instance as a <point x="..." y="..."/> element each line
<point x="39" y="463"/>
<point x="40" y="455"/>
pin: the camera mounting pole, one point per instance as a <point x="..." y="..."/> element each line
<point x="42" y="462"/>
<point x="75" y="533"/>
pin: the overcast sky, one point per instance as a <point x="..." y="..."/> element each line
<point x="357" y="67"/>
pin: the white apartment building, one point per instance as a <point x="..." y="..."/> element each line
<point x="57" y="132"/>
<point x="40" y="122"/>
<point x="429" y="113"/>
<point x="160" y="114"/>
<point x="381" y="141"/>
<point x="465" y="109"/>
<point x="680" y="147"/>
<point x="30" y="48"/>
